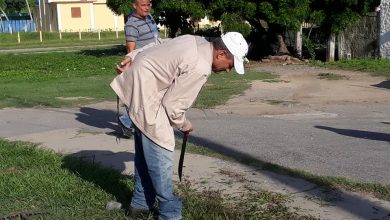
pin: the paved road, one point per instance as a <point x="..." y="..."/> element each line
<point x="349" y="141"/>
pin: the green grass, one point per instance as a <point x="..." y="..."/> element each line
<point x="378" y="190"/>
<point x="220" y="87"/>
<point x="38" y="180"/>
<point x="45" y="78"/>
<point x="50" y="39"/>
<point x="212" y="205"/>
<point x="331" y="76"/>
<point x="35" y="179"/>
<point x="58" y="79"/>
<point x="378" y="67"/>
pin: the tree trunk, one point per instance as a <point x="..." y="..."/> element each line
<point x="341" y="46"/>
<point x="4" y="14"/>
<point x="330" y="50"/>
<point x="29" y="12"/>
<point x="298" y="42"/>
<point x="282" y="48"/>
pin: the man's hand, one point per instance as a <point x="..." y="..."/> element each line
<point x="123" y="66"/>
<point x="189" y="130"/>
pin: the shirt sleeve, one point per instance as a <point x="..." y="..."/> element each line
<point x="135" y="52"/>
<point x="180" y="97"/>
<point x="131" y="32"/>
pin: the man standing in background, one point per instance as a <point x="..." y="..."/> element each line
<point x="140" y="30"/>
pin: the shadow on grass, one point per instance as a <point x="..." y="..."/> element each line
<point x="354" y="204"/>
<point x="118" y="50"/>
<point x="103" y="168"/>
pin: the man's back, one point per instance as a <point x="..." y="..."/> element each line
<point x="162" y="83"/>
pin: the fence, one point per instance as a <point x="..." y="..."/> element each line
<point x="17" y="26"/>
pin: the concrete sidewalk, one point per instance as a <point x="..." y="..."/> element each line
<point x="91" y="131"/>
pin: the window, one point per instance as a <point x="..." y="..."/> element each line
<point x="76" y="12"/>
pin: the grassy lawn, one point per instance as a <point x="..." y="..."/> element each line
<point x="52" y="39"/>
<point x="378" y="67"/>
<point x="35" y="179"/>
<point x="58" y="79"/>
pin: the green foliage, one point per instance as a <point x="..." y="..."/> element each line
<point x="14" y="6"/>
<point x="209" y="32"/>
<point x="246" y="9"/>
<point x="265" y="17"/>
<point x="120" y="7"/>
<point x="234" y="22"/>
<point x="310" y="46"/>
<point x="285" y="14"/>
<point x="2" y="4"/>
<point x="338" y="15"/>
<point x="179" y="14"/>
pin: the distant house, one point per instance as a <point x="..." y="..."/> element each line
<point x="76" y="15"/>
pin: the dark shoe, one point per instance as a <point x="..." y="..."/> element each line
<point x="138" y="213"/>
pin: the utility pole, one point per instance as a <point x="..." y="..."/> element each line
<point x="40" y="14"/>
<point x="384" y="29"/>
<point x="29" y="11"/>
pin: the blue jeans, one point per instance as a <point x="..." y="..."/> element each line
<point x="153" y="178"/>
<point x="126" y="121"/>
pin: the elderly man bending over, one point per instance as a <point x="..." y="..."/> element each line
<point x="158" y="88"/>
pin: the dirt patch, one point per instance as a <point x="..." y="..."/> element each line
<point x="304" y="88"/>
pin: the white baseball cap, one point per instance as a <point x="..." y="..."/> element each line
<point x="237" y="46"/>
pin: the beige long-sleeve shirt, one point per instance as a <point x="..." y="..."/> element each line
<point x="162" y="84"/>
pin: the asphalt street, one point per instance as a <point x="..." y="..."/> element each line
<point x="347" y="141"/>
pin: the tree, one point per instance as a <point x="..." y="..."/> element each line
<point x="2" y="4"/>
<point x="282" y="16"/>
<point x="120" y="7"/>
<point x="336" y="16"/>
<point x="271" y="16"/>
<point x="175" y="14"/>
<point x="15" y="6"/>
<point x="234" y="22"/>
<point x="179" y="14"/>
